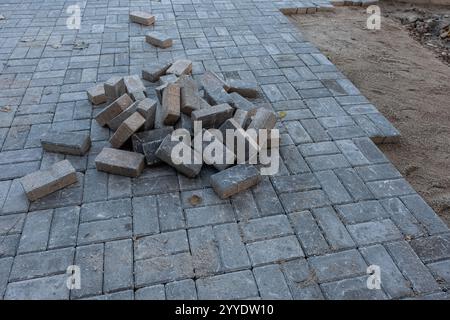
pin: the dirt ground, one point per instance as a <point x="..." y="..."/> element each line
<point x="404" y="79"/>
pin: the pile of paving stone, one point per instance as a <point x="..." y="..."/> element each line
<point x="143" y="126"/>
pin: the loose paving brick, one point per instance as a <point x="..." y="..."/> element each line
<point x="154" y="71"/>
<point x="72" y="143"/>
<point x="170" y="105"/>
<point x="142" y="17"/>
<point x="235" y="179"/>
<point x="134" y="86"/>
<point x="214" y="116"/>
<point x="115" y="122"/>
<point x="236" y="285"/>
<point x="44" y="182"/>
<point x="120" y="162"/>
<point x="114" y="88"/>
<point x="149" y="136"/>
<point x="180" y="67"/>
<point x="263" y="119"/>
<point x="114" y="109"/>
<point x="158" y="39"/>
<point x="132" y="124"/>
<point x="244" y="88"/>
<point x="240" y="103"/>
<point x="96" y="94"/>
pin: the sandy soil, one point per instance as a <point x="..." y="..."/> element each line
<point x="407" y="83"/>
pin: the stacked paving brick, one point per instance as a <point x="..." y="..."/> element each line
<point x="143" y="127"/>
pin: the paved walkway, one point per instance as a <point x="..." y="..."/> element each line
<point x="336" y="207"/>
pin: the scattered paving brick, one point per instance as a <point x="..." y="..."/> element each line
<point x="133" y="85"/>
<point x="114" y="88"/>
<point x="235" y="179"/>
<point x="115" y="122"/>
<point x="142" y="17"/>
<point x="263" y="119"/>
<point x="170" y="104"/>
<point x="154" y="71"/>
<point x="43" y="182"/>
<point x="240" y="103"/>
<point x="96" y="94"/>
<point x="164" y="153"/>
<point x="148" y="136"/>
<point x="180" y="67"/>
<point x="114" y="109"/>
<point x="242" y="118"/>
<point x="158" y="39"/>
<point x="214" y="116"/>
<point x="132" y="124"/>
<point x="217" y="95"/>
<point x="244" y="88"/>
<point x="72" y="143"/>
<point x="120" y="162"/>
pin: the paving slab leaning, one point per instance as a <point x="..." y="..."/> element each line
<point x="311" y="231"/>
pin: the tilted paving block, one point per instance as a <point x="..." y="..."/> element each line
<point x="134" y="85"/>
<point x="239" y="102"/>
<point x="147" y="109"/>
<point x="154" y="71"/>
<point x="212" y="142"/>
<point x="158" y="39"/>
<point x="72" y="143"/>
<point x="142" y="17"/>
<point x="138" y="95"/>
<point x="179" y="67"/>
<point x="132" y="124"/>
<point x="114" y="109"/>
<point x="152" y="142"/>
<point x="263" y="119"/>
<point x="120" y="162"/>
<point x="189" y="95"/>
<point x="212" y="80"/>
<point x="242" y="117"/>
<point x="164" y="81"/>
<point x="43" y="182"/>
<point x="185" y="122"/>
<point x="170" y="105"/>
<point x="234" y="180"/>
<point x="190" y="168"/>
<point x="214" y="116"/>
<point x="140" y="138"/>
<point x="217" y="95"/>
<point x="115" y="122"/>
<point x="244" y="88"/>
<point x="96" y="94"/>
<point x="114" y="88"/>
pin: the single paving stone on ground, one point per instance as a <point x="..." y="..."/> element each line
<point x="43" y="182"/>
<point x="245" y="89"/>
<point x="72" y="143"/>
<point x="142" y="17"/>
<point x="180" y="67"/>
<point x="96" y="94"/>
<point x="170" y="105"/>
<point x="120" y="162"/>
<point x="114" y="109"/>
<point x="132" y="124"/>
<point x="234" y="180"/>
<point x="158" y="39"/>
<point x="114" y="88"/>
<point x="214" y="116"/>
<point x="154" y="71"/>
